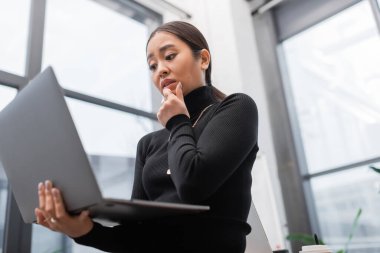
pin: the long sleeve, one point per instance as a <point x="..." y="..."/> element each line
<point x="122" y="238"/>
<point x="200" y="167"/>
<point x="138" y="191"/>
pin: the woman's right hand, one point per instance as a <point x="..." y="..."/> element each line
<point x="52" y="213"/>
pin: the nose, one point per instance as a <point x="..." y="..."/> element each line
<point x="163" y="71"/>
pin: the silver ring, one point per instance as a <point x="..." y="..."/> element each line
<point x="53" y="220"/>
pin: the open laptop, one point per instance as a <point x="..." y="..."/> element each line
<point x="39" y="141"/>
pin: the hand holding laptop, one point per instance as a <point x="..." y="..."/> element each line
<point x="53" y="215"/>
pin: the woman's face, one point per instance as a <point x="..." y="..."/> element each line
<point x="171" y="60"/>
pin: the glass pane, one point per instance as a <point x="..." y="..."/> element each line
<point x="44" y="240"/>
<point x="338" y="197"/>
<point x="6" y="95"/>
<point x="110" y="139"/>
<point x="14" y="19"/>
<point x="99" y="51"/>
<point x="334" y="77"/>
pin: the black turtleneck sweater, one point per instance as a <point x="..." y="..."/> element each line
<point x="209" y="163"/>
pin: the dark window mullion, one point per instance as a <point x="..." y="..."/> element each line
<point x="35" y="38"/>
<point x="12" y="80"/>
<point x="108" y="104"/>
<point x="342" y="168"/>
<point x="17" y="234"/>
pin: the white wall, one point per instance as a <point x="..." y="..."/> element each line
<point x="228" y="28"/>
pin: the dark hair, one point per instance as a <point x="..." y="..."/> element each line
<point x="194" y="39"/>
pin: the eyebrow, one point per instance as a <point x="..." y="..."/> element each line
<point x="162" y="49"/>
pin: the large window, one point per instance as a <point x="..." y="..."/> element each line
<point x="333" y="74"/>
<point x="97" y="49"/>
<point x="6" y="95"/>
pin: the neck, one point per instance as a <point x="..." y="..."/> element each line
<point x="198" y="99"/>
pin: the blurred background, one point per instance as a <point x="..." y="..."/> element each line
<point x="312" y="66"/>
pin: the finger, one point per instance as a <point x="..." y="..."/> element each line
<point x="41" y="195"/>
<point x="41" y="219"/>
<point x="179" y="91"/>
<point x="38" y="216"/>
<point x="159" y="116"/>
<point x="48" y="221"/>
<point x="51" y="223"/>
<point x="84" y="214"/>
<point x="60" y="209"/>
<point x="166" y="92"/>
<point x="49" y="204"/>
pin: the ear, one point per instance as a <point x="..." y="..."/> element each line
<point x="205" y="59"/>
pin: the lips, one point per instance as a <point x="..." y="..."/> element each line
<point x="166" y="82"/>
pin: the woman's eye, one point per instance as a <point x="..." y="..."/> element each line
<point x="152" y="67"/>
<point x="170" y="57"/>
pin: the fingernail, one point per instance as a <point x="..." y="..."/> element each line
<point x="46" y="183"/>
<point x="40" y="184"/>
<point x="180" y="85"/>
<point x="55" y="192"/>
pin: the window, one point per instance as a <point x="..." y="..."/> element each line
<point x="14" y="17"/>
<point x="333" y="78"/>
<point x="338" y="196"/>
<point x="100" y="52"/>
<point x="6" y="95"/>
<point x="99" y="57"/>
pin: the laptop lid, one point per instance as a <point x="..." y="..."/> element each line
<point x="257" y="240"/>
<point x="39" y="141"/>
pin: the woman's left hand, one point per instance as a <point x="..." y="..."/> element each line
<point x="173" y="104"/>
<point x="52" y="214"/>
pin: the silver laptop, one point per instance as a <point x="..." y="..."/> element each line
<point x="257" y="240"/>
<point x="39" y="141"/>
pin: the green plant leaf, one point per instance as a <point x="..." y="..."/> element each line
<point x="304" y="238"/>
<point x="57" y="251"/>
<point x="375" y="168"/>
<point x="340" y="251"/>
<point x="353" y="228"/>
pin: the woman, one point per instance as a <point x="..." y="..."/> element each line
<point x="204" y="156"/>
